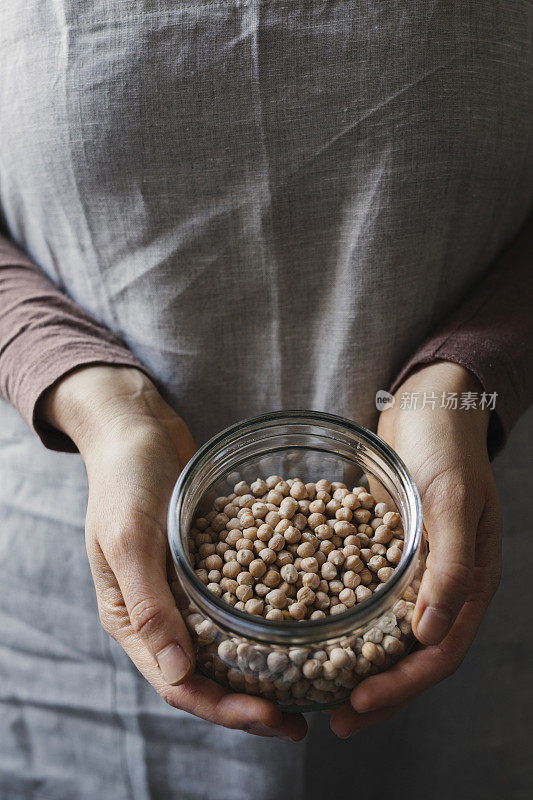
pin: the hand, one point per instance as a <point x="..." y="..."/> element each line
<point x="446" y="453"/>
<point x="134" y="446"/>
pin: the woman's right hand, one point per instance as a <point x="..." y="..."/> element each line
<point x="134" y="446"/>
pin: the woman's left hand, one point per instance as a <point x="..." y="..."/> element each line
<point x="446" y="452"/>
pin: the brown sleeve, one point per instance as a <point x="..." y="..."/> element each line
<point x="43" y="336"/>
<point x="491" y="334"/>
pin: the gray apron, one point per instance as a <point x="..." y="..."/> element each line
<point x="272" y="202"/>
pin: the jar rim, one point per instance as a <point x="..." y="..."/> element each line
<point x="307" y="631"/>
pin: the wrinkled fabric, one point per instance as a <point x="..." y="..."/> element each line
<point x="271" y="203"/>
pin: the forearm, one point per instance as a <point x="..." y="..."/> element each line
<point x="491" y="335"/>
<point x="43" y="337"/>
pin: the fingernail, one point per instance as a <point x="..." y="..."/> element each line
<point x="434" y="625"/>
<point x="348" y="735"/>
<point x="174" y="663"/>
<point x="362" y="704"/>
<point x="260" y="729"/>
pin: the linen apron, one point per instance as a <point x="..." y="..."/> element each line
<point x="272" y="202"/>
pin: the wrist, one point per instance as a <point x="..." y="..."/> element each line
<point x="445" y="378"/>
<point x="441" y="376"/>
<point x="90" y="401"/>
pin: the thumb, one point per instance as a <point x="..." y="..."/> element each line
<point x="451" y="527"/>
<point x="140" y="570"/>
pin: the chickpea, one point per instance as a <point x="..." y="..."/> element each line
<point x="312" y="669"/>
<point x="400" y="609"/>
<point x="374" y="635"/>
<point x="230" y="510"/>
<point x="298" y="610"/>
<point x="231" y="569"/>
<point x="366" y="577"/>
<point x="288" y="508"/>
<point x="292" y="535"/>
<point x="268" y="555"/>
<point x="259" y="510"/>
<point x="392" y="519"/>
<point x="340" y="493"/>
<point x="393" y="646"/>
<point x="328" y="571"/>
<point x="257" y="568"/>
<point x="277" y="661"/>
<point x="258" y="488"/>
<point x="305" y="595"/>
<point x="246" y="501"/>
<point x="340" y="658"/>
<point x="311" y="580"/>
<point x="332" y="507"/>
<point x="289" y="573"/>
<point x="339" y="608"/>
<point x="322" y="600"/>
<point x="276" y="598"/>
<point x="373" y="653"/>
<point x="343" y="528"/>
<point x="284" y="558"/>
<point x="350" y="501"/>
<point x="394" y="555"/>
<point x="229" y="585"/>
<point x="337" y="558"/>
<point x="275" y="614"/>
<point x="376" y="563"/>
<point x="305" y="550"/>
<point x="219" y="522"/>
<point x="326" y="547"/>
<point x="385" y="573"/>
<point x="234" y="525"/>
<point x="383" y="534"/>
<point x="315" y="519"/>
<point x="244" y="593"/>
<point x="310" y="564"/>
<point x="362" y="593"/>
<point x="347" y="596"/>
<point x="265" y="532"/>
<point x="329" y="670"/>
<point x="273" y="519"/>
<point x="272" y="578"/>
<point x="276" y="543"/>
<point x="254" y="606"/>
<point x="362" y="665"/>
<point x="361" y="515"/>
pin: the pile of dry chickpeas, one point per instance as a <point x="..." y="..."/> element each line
<point x="289" y="550"/>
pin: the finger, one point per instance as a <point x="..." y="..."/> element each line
<point x="346" y="722"/>
<point x="198" y="695"/>
<point x="451" y="523"/>
<point x="422" y="669"/>
<point x="430" y="665"/>
<point x="207" y="699"/>
<point x="137" y="556"/>
<point x="182" y="439"/>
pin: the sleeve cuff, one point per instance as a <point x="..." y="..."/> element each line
<point x="43" y="373"/>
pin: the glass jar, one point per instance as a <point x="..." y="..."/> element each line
<point x="312" y="664"/>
